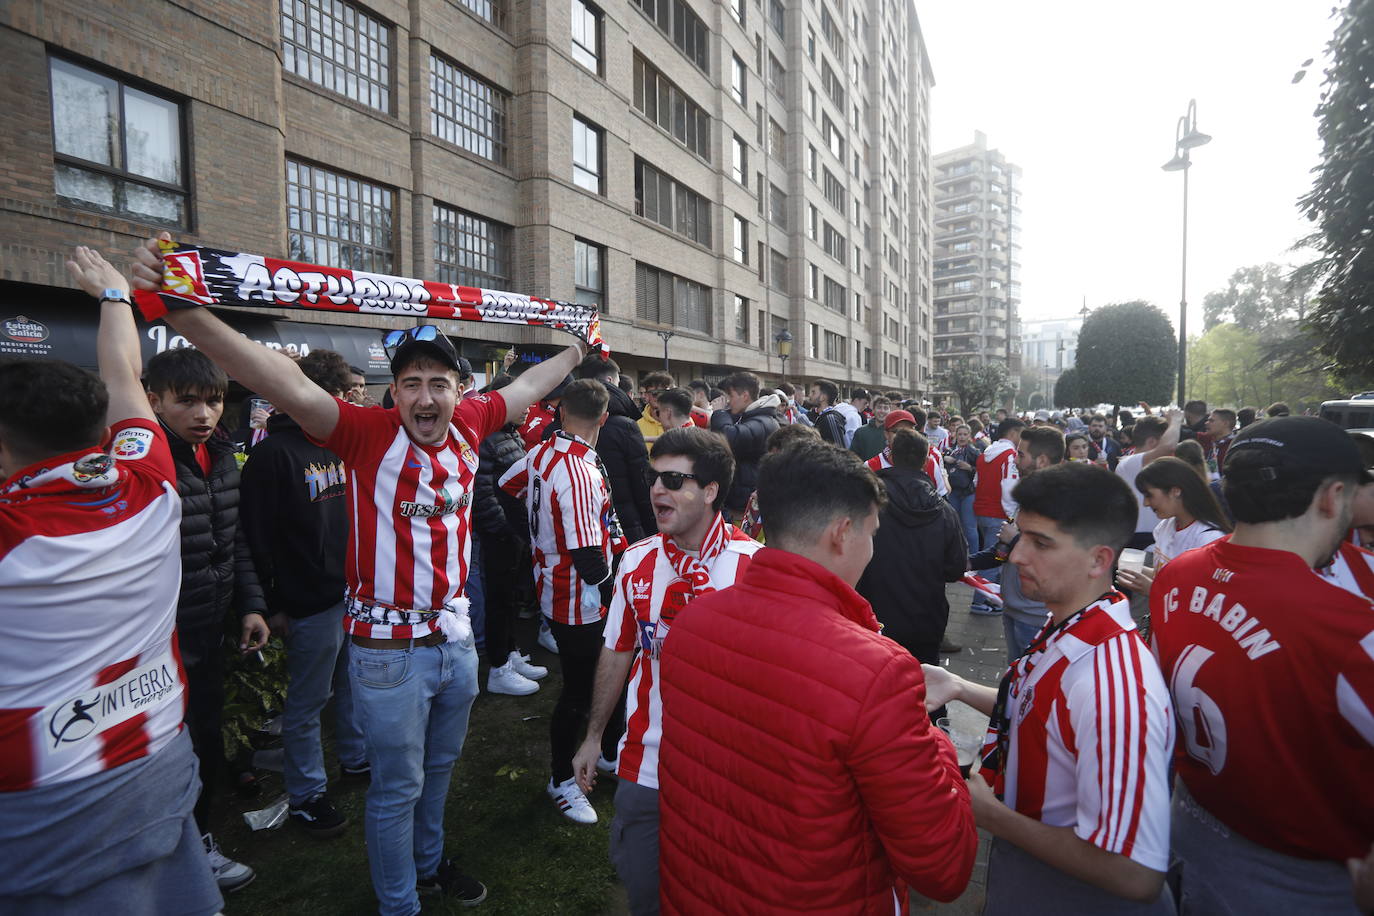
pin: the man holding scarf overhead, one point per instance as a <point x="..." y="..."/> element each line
<point x="413" y="664"/>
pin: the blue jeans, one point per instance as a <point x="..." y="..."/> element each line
<point x="988" y="528"/>
<point x="1019" y="635"/>
<point x="963" y="507"/>
<point x="413" y="707"/>
<point x="475" y="589"/>
<point x="317" y="664"/>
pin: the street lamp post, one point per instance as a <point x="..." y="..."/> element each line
<point x="784" y="341"/>
<point x="1186" y="137"/>
<point x="666" y="335"/>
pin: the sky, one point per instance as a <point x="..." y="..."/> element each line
<point x="1085" y="95"/>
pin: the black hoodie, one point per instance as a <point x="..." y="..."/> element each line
<point x="295" y="516"/>
<point x="919" y="546"/>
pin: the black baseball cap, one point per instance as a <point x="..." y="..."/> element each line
<point x="1300" y="446"/>
<point x="402" y="345"/>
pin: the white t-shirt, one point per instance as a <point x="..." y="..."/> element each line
<point x="1170" y="542"/>
<point x="937" y="437"/>
<point x="1128" y="468"/>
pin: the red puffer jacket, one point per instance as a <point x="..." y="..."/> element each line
<point x="799" y="771"/>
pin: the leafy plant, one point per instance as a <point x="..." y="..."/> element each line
<point x="975" y="385"/>
<point x="1126" y="353"/>
<point x="254" y="691"/>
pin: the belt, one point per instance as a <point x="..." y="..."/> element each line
<point x="368" y="642"/>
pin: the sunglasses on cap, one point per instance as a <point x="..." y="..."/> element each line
<point x="425" y="332"/>
<point x="672" y="480"/>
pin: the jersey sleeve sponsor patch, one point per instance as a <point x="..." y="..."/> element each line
<point x="131" y="443"/>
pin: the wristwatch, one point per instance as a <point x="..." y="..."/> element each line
<point x="113" y="294"/>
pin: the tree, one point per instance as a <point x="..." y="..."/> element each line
<point x="1066" y="389"/>
<point x="1341" y="201"/>
<point x="1230" y="366"/>
<point x="976" y="385"/>
<point x="1262" y="299"/>
<point x="1126" y="353"/>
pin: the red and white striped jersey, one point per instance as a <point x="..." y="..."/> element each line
<point x="411" y="508"/>
<point x="1271" y="667"/>
<point x="569" y="506"/>
<point x="934" y="468"/>
<point x="90" y="569"/>
<point x="1352" y="569"/>
<point x="1091" y="737"/>
<point x="648" y="595"/>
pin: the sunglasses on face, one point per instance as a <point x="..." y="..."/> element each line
<point x="672" y="480"/>
<point x="394" y="339"/>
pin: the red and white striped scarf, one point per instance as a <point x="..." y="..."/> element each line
<point x="693" y="572"/>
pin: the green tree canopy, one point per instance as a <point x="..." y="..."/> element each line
<point x="1066" y="389"/>
<point x="1341" y="201"/>
<point x="1230" y="366"/>
<point x="975" y="385"/>
<point x="1262" y="298"/>
<point x="1127" y="353"/>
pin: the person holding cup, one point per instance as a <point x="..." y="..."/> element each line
<point x="1189" y="517"/>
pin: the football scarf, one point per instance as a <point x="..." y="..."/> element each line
<point x="693" y="572"/>
<point x="193" y="276"/>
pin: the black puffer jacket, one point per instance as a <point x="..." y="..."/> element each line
<point x="622" y="449"/>
<point x="494" y="513"/>
<point x="216" y="565"/>
<point x="747" y="436"/>
<point x="919" y="546"/>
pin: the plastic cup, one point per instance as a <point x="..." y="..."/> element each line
<point x="1131" y="559"/>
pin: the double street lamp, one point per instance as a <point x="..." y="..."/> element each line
<point x="667" y="336"/>
<point x="1186" y="137"/>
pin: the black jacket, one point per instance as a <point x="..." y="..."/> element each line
<point x="496" y="514"/>
<point x="919" y="546"/>
<point x="830" y="424"/>
<point x="747" y="436"/>
<point x="294" y="515"/>
<point x="216" y="565"/>
<point x="626" y="457"/>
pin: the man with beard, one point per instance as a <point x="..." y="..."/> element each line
<point x="1101" y="445"/>
<point x="620" y="446"/>
<point x="1271" y="667"/>
<point x="695" y="552"/>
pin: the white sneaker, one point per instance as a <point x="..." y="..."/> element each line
<point x="546" y="638"/>
<point x="509" y="681"/>
<point x="522" y="666"/>
<point x="571" y="801"/>
<point x="604" y="765"/>
<point x="229" y="875"/>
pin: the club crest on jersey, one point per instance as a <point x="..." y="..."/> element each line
<point x="445" y="504"/>
<point x="1027" y="702"/>
<point x="132" y="443"/>
<point x="91" y="467"/>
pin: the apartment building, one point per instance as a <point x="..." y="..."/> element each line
<point x="977" y="250"/>
<point x="715" y="176"/>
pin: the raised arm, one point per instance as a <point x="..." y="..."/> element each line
<point x="117" y="340"/>
<point x="270" y="373"/>
<point x="532" y="384"/>
<point x="1167" y="442"/>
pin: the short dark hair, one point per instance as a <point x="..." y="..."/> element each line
<point x="828" y="388"/>
<point x="881" y="400"/>
<point x="859" y="394"/>
<point x="356" y="371"/>
<point x="896" y="397"/>
<point x="656" y="380"/>
<point x="711" y="459"/>
<point x="697" y="384"/>
<point x="1247" y="415"/>
<point x="790" y="434"/>
<point x="1167" y="473"/>
<point x="1090" y="503"/>
<point x="585" y="399"/>
<point x="183" y="370"/>
<point x="1005" y="427"/>
<point x="1148" y="428"/>
<point x="1189" y="451"/>
<point x="679" y="400"/>
<point x="1070" y="439"/>
<point x="1254" y="498"/>
<point x="1044" y="441"/>
<point x="327" y="369"/>
<point x="594" y="366"/>
<point x="806" y="486"/>
<point x="49" y="406"/>
<point x="1277" y="409"/>
<point x="1226" y="412"/>
<point x="910" y="449"/>
<point x="919" y="415"/>
<point x="742" y="381"/>
<point x="1096" y="417"/>
<point x="626" y="385"/>
<point x="1195" y="407"/>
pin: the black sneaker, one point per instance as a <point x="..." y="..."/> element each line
<point x="450" y="882"/>
<point x="360" y="773"/>
<point x="319" y="817"/>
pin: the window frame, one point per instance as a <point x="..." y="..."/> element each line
<point x="597" y="53"/>
<point x="580" y="288"/>
<point x="391" y="252"/>
<point x="498" y="107"/>
<point x="291" y="50"/>
<point x="600" y="174"/>
<point x="500" y="234"/>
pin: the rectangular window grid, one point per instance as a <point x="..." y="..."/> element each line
<point x="589" y="271"/>
<point x="661" y="101"/>
<point x="337" y="220"/>
<point x="470" y="250"/>
<point x="466" y="111"/>
<point x="666" y="299"/>
<point x="586" y="155"/>
<point x="338" y="46"/>
<point x="586" y="35"/>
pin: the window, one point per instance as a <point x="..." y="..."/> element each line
<point x="737" y="8"/>
<point x="836" y="296"/>
<point x="834" y="137"/>
<point x="739" y="86"/>
<point x="775" y="17"/>
<point x="834" y="243"/>
<point x="470" y="250"/>
<point x="835" y="192"/>
<point x="465" y="111"/>
<point x="811" y="44"/>
<point x="672" y="205"/>
<point x="777" y="77"/>
<point x="493" y="11"/>
<point x="810" y="162"/>
<point x="812" y="222"/>
<point x="589" y="271"/>
<point x="777" y="270"/>
<point x="683" y="27"/>
<point x="741" y="319"/>
<point x="741" y="246"/>
<point x="739" y="157"/>
<point x="117" y="149"/>
<point x="340" y="47"/>
<point x="836" y="348"/>
<point x="777" y="206"/>
<point x="586" y="35"/>
<point x="777" y="141"/>
<point x="666" y="105"/>
<point x="832" y="85"/>
<point x="813" y="340"/>
<point x="813" y="281"/>
<point x="337" y="220"/>
<point x="667" y="299"/>
<point x="586" y="155"/>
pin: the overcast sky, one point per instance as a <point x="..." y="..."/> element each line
<point x="1084" y="95"/>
